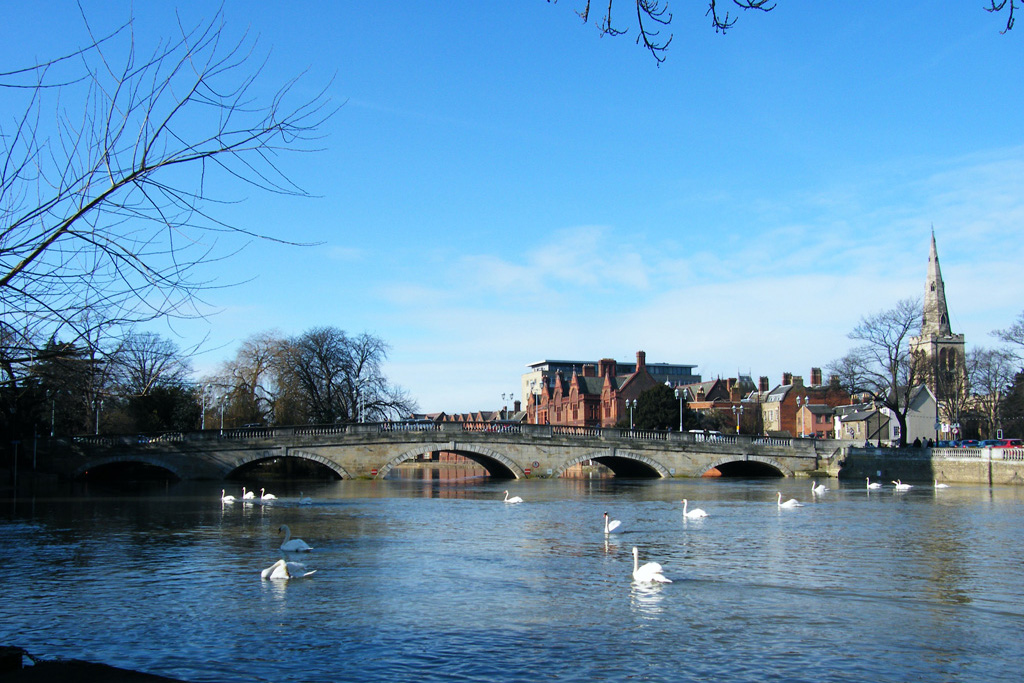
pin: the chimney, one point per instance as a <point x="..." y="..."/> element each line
<point x="517" y="406"/>
<point x="762" y="385"/>
<point x="588" y="370"/>
<point x="787" y="379"/>
<point x="798" y="381"/>
<point x="641" y="360"/>
<point x="606" y="367"/>
<point x="735" y="390"/>
<point x="815" y="377"/>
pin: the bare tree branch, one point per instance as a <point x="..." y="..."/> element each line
<point x="115" y="165"/>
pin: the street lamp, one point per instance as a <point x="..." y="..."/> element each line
<point x="223" y="401"/>
<point x="737" y="413"/>
<point x="206" y="389"/>
<point x="801" y="414"/>
<point x="631" y="404"/>
<point x="679" y="395"/>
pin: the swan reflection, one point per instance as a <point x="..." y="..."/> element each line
<point x="646" y="598"/>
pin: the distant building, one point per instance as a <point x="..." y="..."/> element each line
<point x="781" y="406"/>
<point x="878" y="425"/>
<point x="861" y="422"/>
<point x="544" y="372"/>
<point x="591" y="396"/>
<point x="732" y="401"/>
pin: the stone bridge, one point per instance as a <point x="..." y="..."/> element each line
<point x="510" y="451"/>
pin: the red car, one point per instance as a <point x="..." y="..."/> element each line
<point x="1008" y="443"/>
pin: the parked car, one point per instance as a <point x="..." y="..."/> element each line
<point x="968" y="443"/>
<point x="1008" y="443"/>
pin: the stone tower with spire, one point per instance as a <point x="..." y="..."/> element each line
<point x="940" y="352"/>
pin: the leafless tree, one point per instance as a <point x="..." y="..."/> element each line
<point x="1014" y="336"/>
<point x="145" y="360"/>
<point x="246" y="388"/>
<point x="653" y="17"/>
<point x="340" y="378"/>
<point x="1009" y="5"/>
<point x="116" y="166"/>
<point x="883" y="367"/>
<point x="992" y="373"/>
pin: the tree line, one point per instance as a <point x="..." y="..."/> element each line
<point x="142" y="383"/>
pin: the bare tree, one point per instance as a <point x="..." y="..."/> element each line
<point x="992" y="373"/>
<point x="145" y="360"/>
<point x="369" y="388"/>
<point x="246" y="387"/>
<point x="318" y="360"/>
<point x="1014" y="336"/>
<point x="340" y="378"/>
<point x="883" y="367"/>
<point x="113" y="168"/>
<point x="998" y="7"/>
<point x="653" y="17"/>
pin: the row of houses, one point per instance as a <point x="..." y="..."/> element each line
<point x="599" y="394"/>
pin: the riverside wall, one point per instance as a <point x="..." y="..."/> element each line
<point x="992" y="466"/>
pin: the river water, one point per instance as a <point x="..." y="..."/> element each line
<point x="439" y="580"/>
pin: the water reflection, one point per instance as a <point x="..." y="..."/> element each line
<point x="646" y="599"/>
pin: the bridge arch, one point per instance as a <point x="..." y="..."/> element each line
<point x="761" y="462"/>
<point x="251" y="457"/>
<point x="133" y="459"/>
<point x="621" y="463"/>
<point x="317" y="458"/>
<point x="497" y="464"/>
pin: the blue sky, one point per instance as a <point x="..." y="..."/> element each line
<point x="502" y="185"/>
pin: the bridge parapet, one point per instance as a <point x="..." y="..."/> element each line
<point x="451" y="429"/>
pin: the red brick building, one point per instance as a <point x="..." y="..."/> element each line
<point x="594" y="397"/>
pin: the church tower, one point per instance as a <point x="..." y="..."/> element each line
<point x="941" y="352"/>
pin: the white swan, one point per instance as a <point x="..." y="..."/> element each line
<point x="818" y="489"/>
<point x="875" y="485"/>
<point x="650" y="572"/>
<point x="224" y="498"/>
<point x="266" y="496"/>
<point x="513" y="499"/>
<point x="791" y="503"/>
<point x="900" y="486"/>
<point x="286" y="570"/>
<point x="248" y="495"/>
<point x="292" y="544"/>
<point x="610" y="526"/>
<point x="304" y="500"/>
<point x="940" y="486"/>
<point x="695" y="513"/>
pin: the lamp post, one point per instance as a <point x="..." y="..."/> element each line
<point x="223" y="402"/>
<point x="737" y="413"/>
<point x="631" y="403"/>
<point x="679" y="395"/>
<point x="206" y="389"/>
<point x="801" y="414"/>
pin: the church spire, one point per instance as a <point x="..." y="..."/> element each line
<point x="935" y="321"/>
